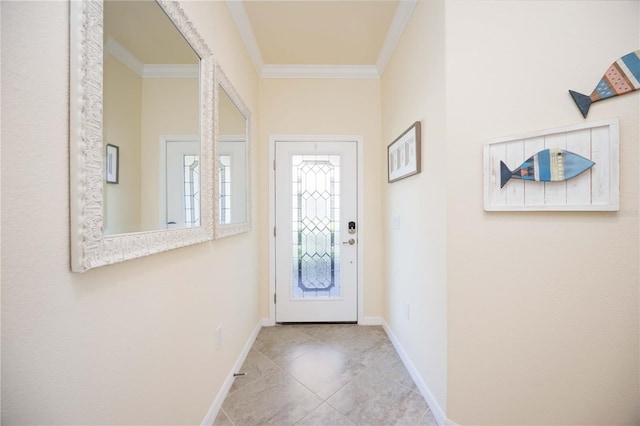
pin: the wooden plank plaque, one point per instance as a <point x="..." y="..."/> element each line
<point x="594" y="189"/>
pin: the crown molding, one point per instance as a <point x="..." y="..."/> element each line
<point x="150" y="70"/>
<point x="241" y="19"/>
<point x="124" y="56"/>
<point x="171" y="71"/>
<point x="319" y="71"/>
<point x="400" y="20"/>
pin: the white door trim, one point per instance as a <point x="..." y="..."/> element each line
<point x="359" y="140"/>
<point x="162" y="173"/>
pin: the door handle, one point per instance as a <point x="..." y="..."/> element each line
<point x="350" y="242"/>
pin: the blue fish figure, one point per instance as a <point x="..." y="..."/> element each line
<point x="623" y="76"/>
<point x="548" y="165"/>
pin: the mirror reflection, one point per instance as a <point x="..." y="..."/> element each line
<point x="151" y="121"/>
<point x="232" y="161"/>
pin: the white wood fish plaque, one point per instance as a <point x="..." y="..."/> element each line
<point x="596" y="188"/>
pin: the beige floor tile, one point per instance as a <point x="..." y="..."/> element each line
<point x="393" y="368"/>
<point x="222" y="419"/>
<point x="255" y="366"/>
<point x="324" y="370"/>
<point x="277" y="399"/>
<point x="324" y="415"/>
<point x="324" y="375"/>
<point x="428" y="419"/>
<point x="325" y="332"/>
<point x="372" y="399"/>
<point x="365" y="346"/>
<point x="282" y="344"/>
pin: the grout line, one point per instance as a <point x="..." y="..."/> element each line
<point x="331" y="341"/>
<point x="227" y="416"/>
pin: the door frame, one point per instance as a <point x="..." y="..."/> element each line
<point x="162" y="173"/>
<point x="359" y="140"/>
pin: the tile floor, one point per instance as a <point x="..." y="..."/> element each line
<point x="330" y="375"/>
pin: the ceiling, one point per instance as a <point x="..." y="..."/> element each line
<point x="320" y="38"/>
<point x="145" y="31"/>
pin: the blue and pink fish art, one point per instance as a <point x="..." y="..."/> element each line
<point x="623" y="76"/>
<point x="548" y="165"/>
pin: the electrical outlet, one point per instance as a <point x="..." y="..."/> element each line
<point x="219" y="337"/>
<point x="407" y="310"/>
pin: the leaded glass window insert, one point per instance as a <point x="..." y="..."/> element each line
<point x="224" y="173"/>
<point x="191" y="168"/>
<point x="316" y="226"/>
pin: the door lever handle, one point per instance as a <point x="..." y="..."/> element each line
<point x="350" y="242"/>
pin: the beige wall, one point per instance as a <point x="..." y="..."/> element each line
<point x="131" y="343"/>
<point x="170" y="106"/>
<point x="325" y="107"/>
<point x="517" y="318"/>
<point x="122" y="120"/>
<point x="232" y="122"/>
<point x="415" y="251"/>
<point x="542" y="307"/>
<point x="137" y="112"/>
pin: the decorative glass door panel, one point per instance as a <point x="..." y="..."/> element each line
<point x="316" y="226"/>
<point x="181" y="183"/>
<point x="224" y="179"/>
<point x="191" y="190"/>
<point x="316" y="268"/>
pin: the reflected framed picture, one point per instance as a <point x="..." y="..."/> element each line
<point x="111" y="163"/>
<point x="403" y="154"/>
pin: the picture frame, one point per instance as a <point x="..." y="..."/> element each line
<point x="111" y="163"/>
<point x="596" y="189"/>
<point x="404" y="154"/>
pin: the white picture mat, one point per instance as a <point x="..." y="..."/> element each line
<point x="403" y="154"/>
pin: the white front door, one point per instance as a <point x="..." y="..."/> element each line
<point x="316" y="248"/>
<point x="180" y="175"/>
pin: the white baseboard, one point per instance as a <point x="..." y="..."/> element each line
<point x="371" y="321"/>
<point x="437" y="411"/>
<point x="267" y="322"/>
<point x="224" y="390"/>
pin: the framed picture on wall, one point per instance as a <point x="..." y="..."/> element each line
<point x="403" y="154"/>
<point x="111" y="163"/>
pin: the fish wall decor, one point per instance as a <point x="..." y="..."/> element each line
<point x="548" y="165"/>
<point x="623" y="76"/>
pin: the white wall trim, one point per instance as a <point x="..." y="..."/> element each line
<point x="370" y="321"/>
<point x="211" y="415"/>
<point x="171" y="71"/>
<point x="400" y="20"/>
<point x="437" y="411"/>
<point x="266" y="322"/>
<point x="241" y="19"/>
<point x="124" y="56"/>
<point x="359" y="140"/>
<point x="320" y="71"/>
<point x="150" y="70"/>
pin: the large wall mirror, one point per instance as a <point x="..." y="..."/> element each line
<point x="142" y="87"/>
<point x="233" y="195"/>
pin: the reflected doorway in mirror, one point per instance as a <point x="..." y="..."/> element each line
<point x="179" y="200"/>
<point x="232" y="153"/>
<point x="103" y="107"/>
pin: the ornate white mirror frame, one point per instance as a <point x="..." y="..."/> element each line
<point x="222" y="230"/>
<point x="90" y="247"/>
